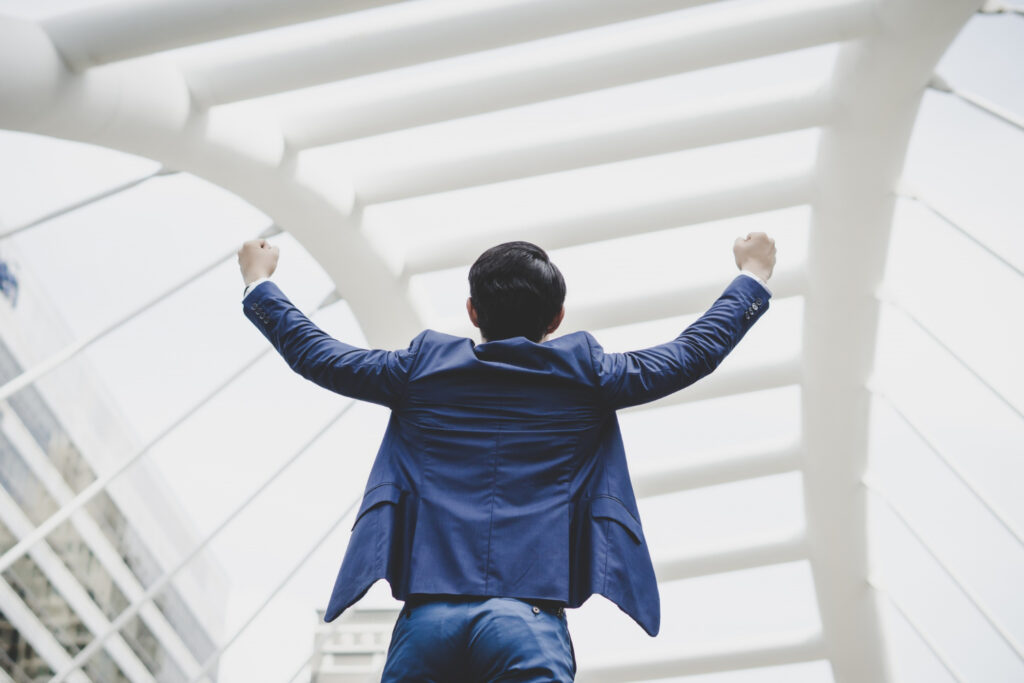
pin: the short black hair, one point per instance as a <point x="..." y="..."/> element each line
<point x="516" y="290"/>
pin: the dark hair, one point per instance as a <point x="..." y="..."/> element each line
<point x="516" y="291"/>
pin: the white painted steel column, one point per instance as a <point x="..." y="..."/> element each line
<point x="514" y="79"/>
<point x="879" y="81"/>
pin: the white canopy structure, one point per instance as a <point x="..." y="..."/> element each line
<point x="853" y="471"/>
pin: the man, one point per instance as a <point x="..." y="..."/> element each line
<point x="500" y="493"/>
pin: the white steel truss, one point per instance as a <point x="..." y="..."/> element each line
<point x="93" y="75"/>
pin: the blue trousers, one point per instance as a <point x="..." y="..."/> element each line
<point x="479" y="640"/>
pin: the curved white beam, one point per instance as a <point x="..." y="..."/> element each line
<point x="654" y="131"/>
<point x="717" y="468"/>
<point x="345" y="47"/>
<point x="777" y="192"/>
<point x="144" y="108"/>
<point x="519" y="77"/>
<point x="880" y="81"/>
<point x="122" y="29"/>
<point x="772" y="651"/>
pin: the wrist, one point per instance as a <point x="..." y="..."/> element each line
<point x="758" y="271"/>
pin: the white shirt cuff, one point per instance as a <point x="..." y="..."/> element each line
<point x="759" y="280"/>
<point x="252" y="285"/>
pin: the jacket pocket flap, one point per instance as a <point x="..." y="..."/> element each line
<point x="378" y="495"/>
<point x="609" y="508"/>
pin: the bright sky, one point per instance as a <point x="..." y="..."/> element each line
<point x="103" y="260"/>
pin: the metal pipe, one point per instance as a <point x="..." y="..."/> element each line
<point x="916" y="627"/>
<point x="100" y="484"/>
<point x="717" y="468"/>
<point x="122" y="29"/>
<point x="971" y="596"/>
<point x="733" y="381"/>
<point x="650" y="132"/>
<point x="772" y="651"/>
<point x="29" y="376"/>
<point x="74" y="206"/>
<point x="745" y="555"/>
<point x="351" y="46"/>
<point x="602" y="223"/>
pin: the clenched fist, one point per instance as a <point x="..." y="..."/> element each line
<point x="257" y="259"/>
<point x="755" y="253"/>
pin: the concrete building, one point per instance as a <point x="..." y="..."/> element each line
<point x="351" y="649"/>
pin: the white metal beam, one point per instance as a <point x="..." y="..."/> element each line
<point x="775" y="651"/>
<point x="143" y="107"/>
<point x="712" y="469"/>
<point x="733" y="381"/>
<point x="733" y="557"/>
<point x="89" y="650"/>
<point x="6" y="232"/>
<point x="601" y="224"/>
<point x="650" y="132"/>
<point x="996" y="624"/>
<point x="880" y="80"/>
<point x="121" y="29"/>
<point x="513" y="79"/>
<point x="346" y="47"/>
<point x="916" y="626"/>
<point x="642" y="306"/>
<point x="977" y="101"/>
<point x="11" y="555"/>
<point x="55" y="360"/>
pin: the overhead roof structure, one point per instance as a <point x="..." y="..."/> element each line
<point x="394" y="141"/>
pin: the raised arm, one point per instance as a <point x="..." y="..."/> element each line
<point x="637" y="377"/>
<point x="377" y="376"/>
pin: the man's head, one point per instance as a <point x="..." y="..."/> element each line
<point x="515" y="290"/>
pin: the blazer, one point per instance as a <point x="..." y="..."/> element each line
<point x="502" y="471"/>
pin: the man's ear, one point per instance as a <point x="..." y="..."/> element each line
<point x="556" y="321"/>
<point x="472" y="312"/>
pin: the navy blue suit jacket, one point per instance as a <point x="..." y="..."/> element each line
<point x="502" y="470"/>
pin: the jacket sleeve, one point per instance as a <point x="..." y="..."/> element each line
<point x="635" y="377"/>
<point x="370" y="375"/>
